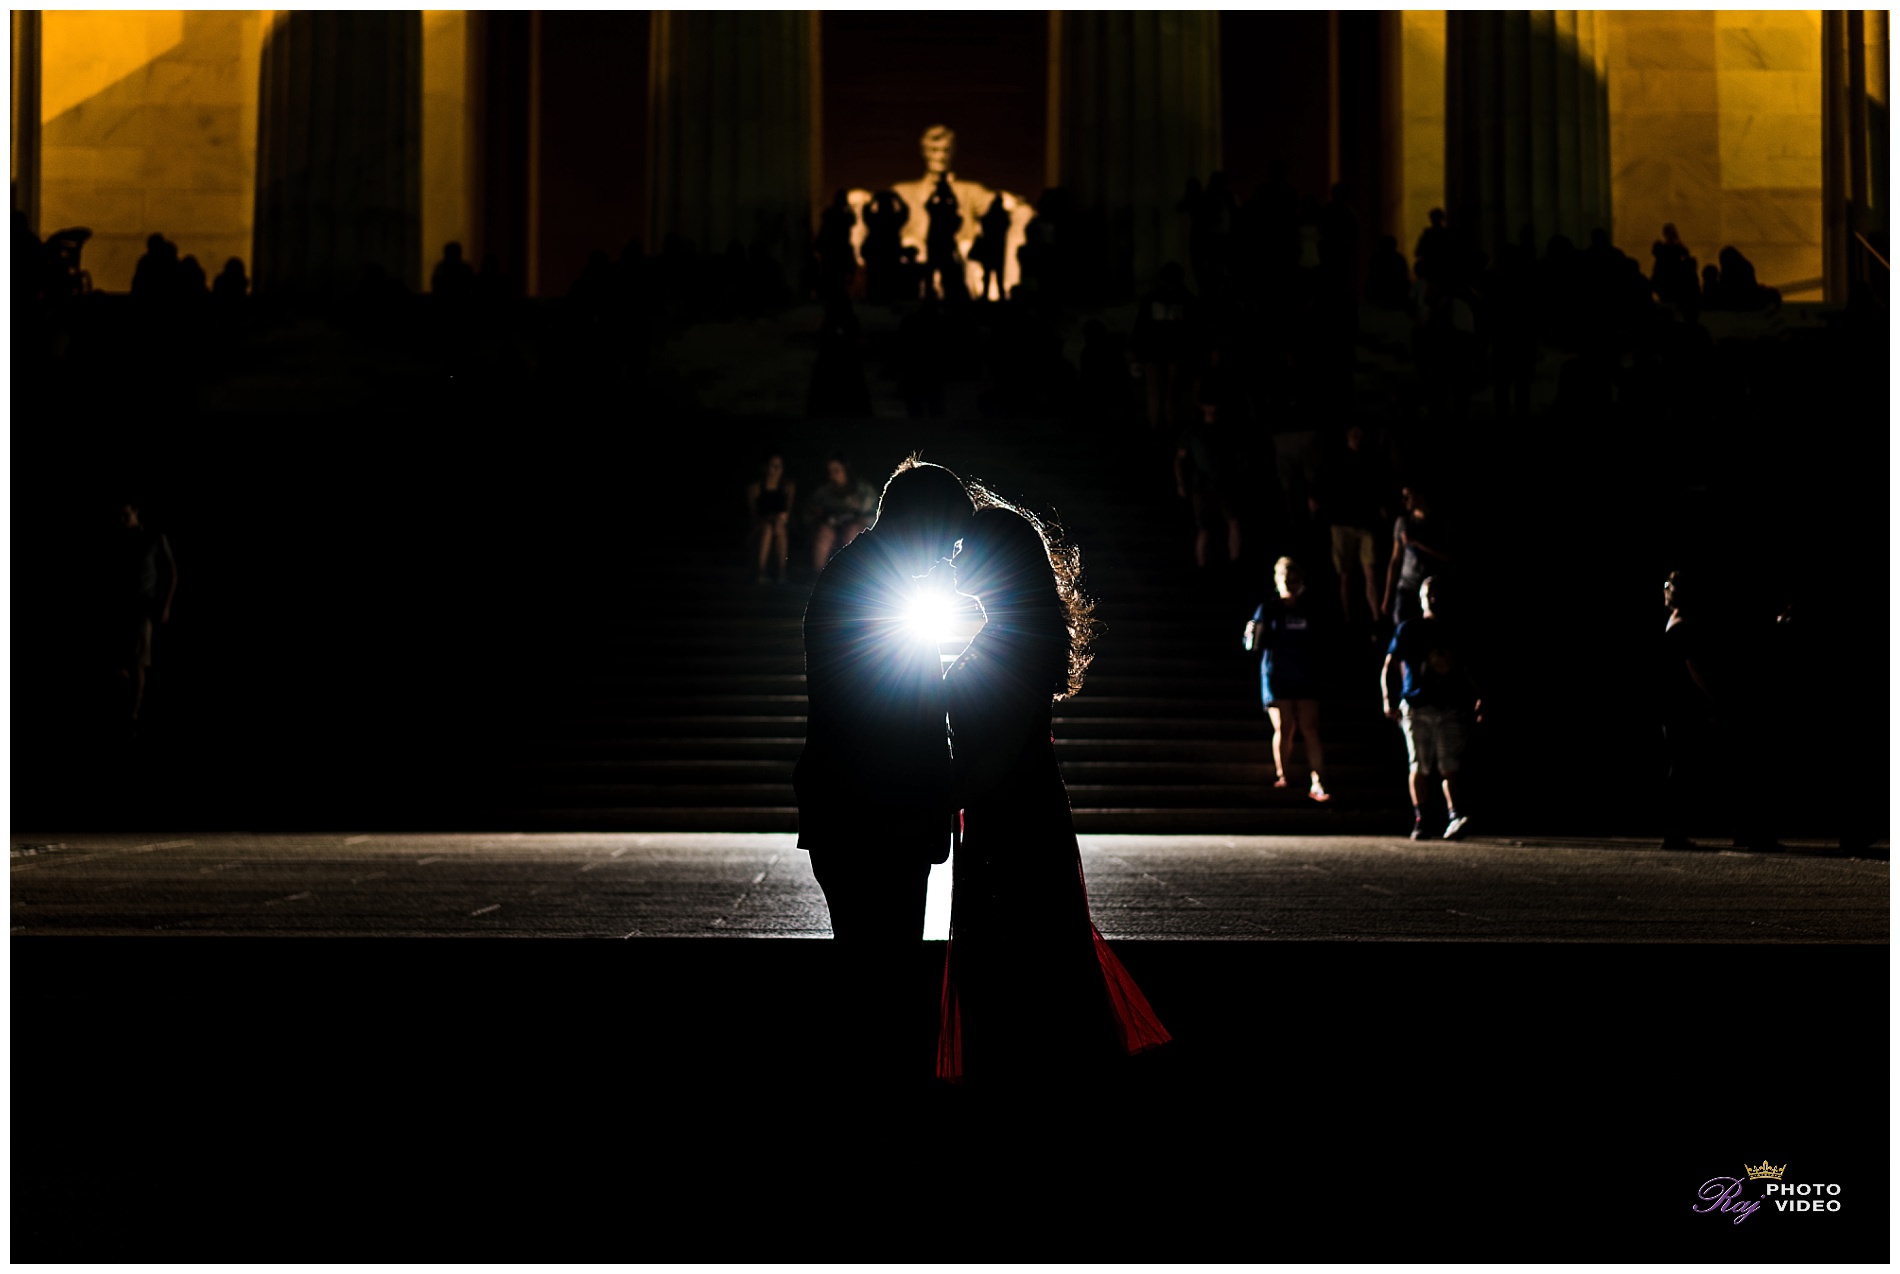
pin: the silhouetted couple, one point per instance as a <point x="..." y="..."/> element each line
<point x="1030" y="991"/>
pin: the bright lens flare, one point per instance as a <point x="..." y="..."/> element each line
<point x="930" y="616"/>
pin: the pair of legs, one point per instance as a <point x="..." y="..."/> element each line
<point x="950" y="279"/>
<point x="771" y="539"/>
<point x="875" y="893"/>
<point x="134" y="676"/>
<point x="992" y="273"/>
<point x="139" y="663"/>
<point x="1288" y="715"/>
<point x="1705" y="789"/>
<point x="1162" y="379"/>
<point x="827" y="539"/>
<point x="1686" y="747"/>
<point x="1353" y="549"/>
<point x="876" y="896"/>
<point x="1434" y="744"/>
<point x="1211" y="513"/>
<point x="1419" y="784"/>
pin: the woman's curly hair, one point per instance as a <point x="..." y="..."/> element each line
<point x="1060" y="592"/>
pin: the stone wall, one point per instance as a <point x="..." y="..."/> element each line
<point x="149" y="123"/>
<point x="1715" y="125"/>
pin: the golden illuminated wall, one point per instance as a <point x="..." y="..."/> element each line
<point x="1422" y="120"/>
<point x="447" y="214"/>
<point x="1715" y="124"/>
<point x="149" y="123"/>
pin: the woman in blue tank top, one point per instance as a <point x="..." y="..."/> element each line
<point x="1287" y="634"/>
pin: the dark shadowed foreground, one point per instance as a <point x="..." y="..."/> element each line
<point x="683" y="1099"/>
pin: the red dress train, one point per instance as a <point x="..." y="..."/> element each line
<point x="1030" y="988"/>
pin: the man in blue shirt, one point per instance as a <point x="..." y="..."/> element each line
<point x="1437" y="700"/>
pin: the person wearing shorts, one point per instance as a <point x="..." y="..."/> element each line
<point x="1434" y="739"/>
<point x="1438" y="698"/>
<point x="1354" y="546"/>
<point x="1352" y="498"/>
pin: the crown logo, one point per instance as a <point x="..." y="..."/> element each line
<point x="1766" y="1171"/>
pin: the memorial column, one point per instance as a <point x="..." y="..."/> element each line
<point x="1877" y="91"/>
<point x="1527" y="126"/>
<point x="26" y="115"/>
<point x="1854" y="163"/>
<point x="732" y="119"/>
<point x="339" y="150"/>
<point x="1139" y="115"/>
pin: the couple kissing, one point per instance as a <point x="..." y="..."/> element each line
<point x="903" y="758"/>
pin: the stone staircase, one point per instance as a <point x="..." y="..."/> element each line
<point x="692" y="716"/>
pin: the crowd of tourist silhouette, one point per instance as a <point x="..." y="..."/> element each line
<point x="1277" y="273"/>
<point x="1240" y="372"/>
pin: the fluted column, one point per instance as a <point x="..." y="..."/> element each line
<point x="1854" y="163"/>
<point x="732" y="129"/>
<point x="339" y="150"/>
<point x="1837" y="164"/>
<point x="1140" y="115"/>
<point x="1878" y="94"/>
<point x="26" y="114"/>
<point x="1527" y="125"/>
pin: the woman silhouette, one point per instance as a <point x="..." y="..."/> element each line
<point x="769" y="502"/>
<point x="1031" y="992"/>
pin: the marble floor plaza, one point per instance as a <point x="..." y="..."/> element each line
<point x="683" y="884"/>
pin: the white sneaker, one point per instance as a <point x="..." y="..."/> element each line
<point x="1456" y="828"/>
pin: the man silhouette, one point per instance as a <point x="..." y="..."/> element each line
<point x="873" y="783"/>
<point x="453" y="277"/>
<point x="147" y="584"/>
<point x="941" y="249"/>
<point x="991" y="249"/>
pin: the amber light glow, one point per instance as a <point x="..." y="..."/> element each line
<point x="148" y="122"/>
<point x="1715" y="125"/>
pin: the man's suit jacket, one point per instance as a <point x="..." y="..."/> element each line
<point x="875" y="773"/>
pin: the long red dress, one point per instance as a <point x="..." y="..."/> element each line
<point x="1030" y="989"/>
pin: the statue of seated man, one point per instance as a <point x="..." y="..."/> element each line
<point x="973" y="199"/>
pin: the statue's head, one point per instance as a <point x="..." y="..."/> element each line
<point x="939" y="146"/>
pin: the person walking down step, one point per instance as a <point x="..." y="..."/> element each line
<point x="147" y="585"/>
<point x="1438" y="704"/>
<point x="1291" y="639"/>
